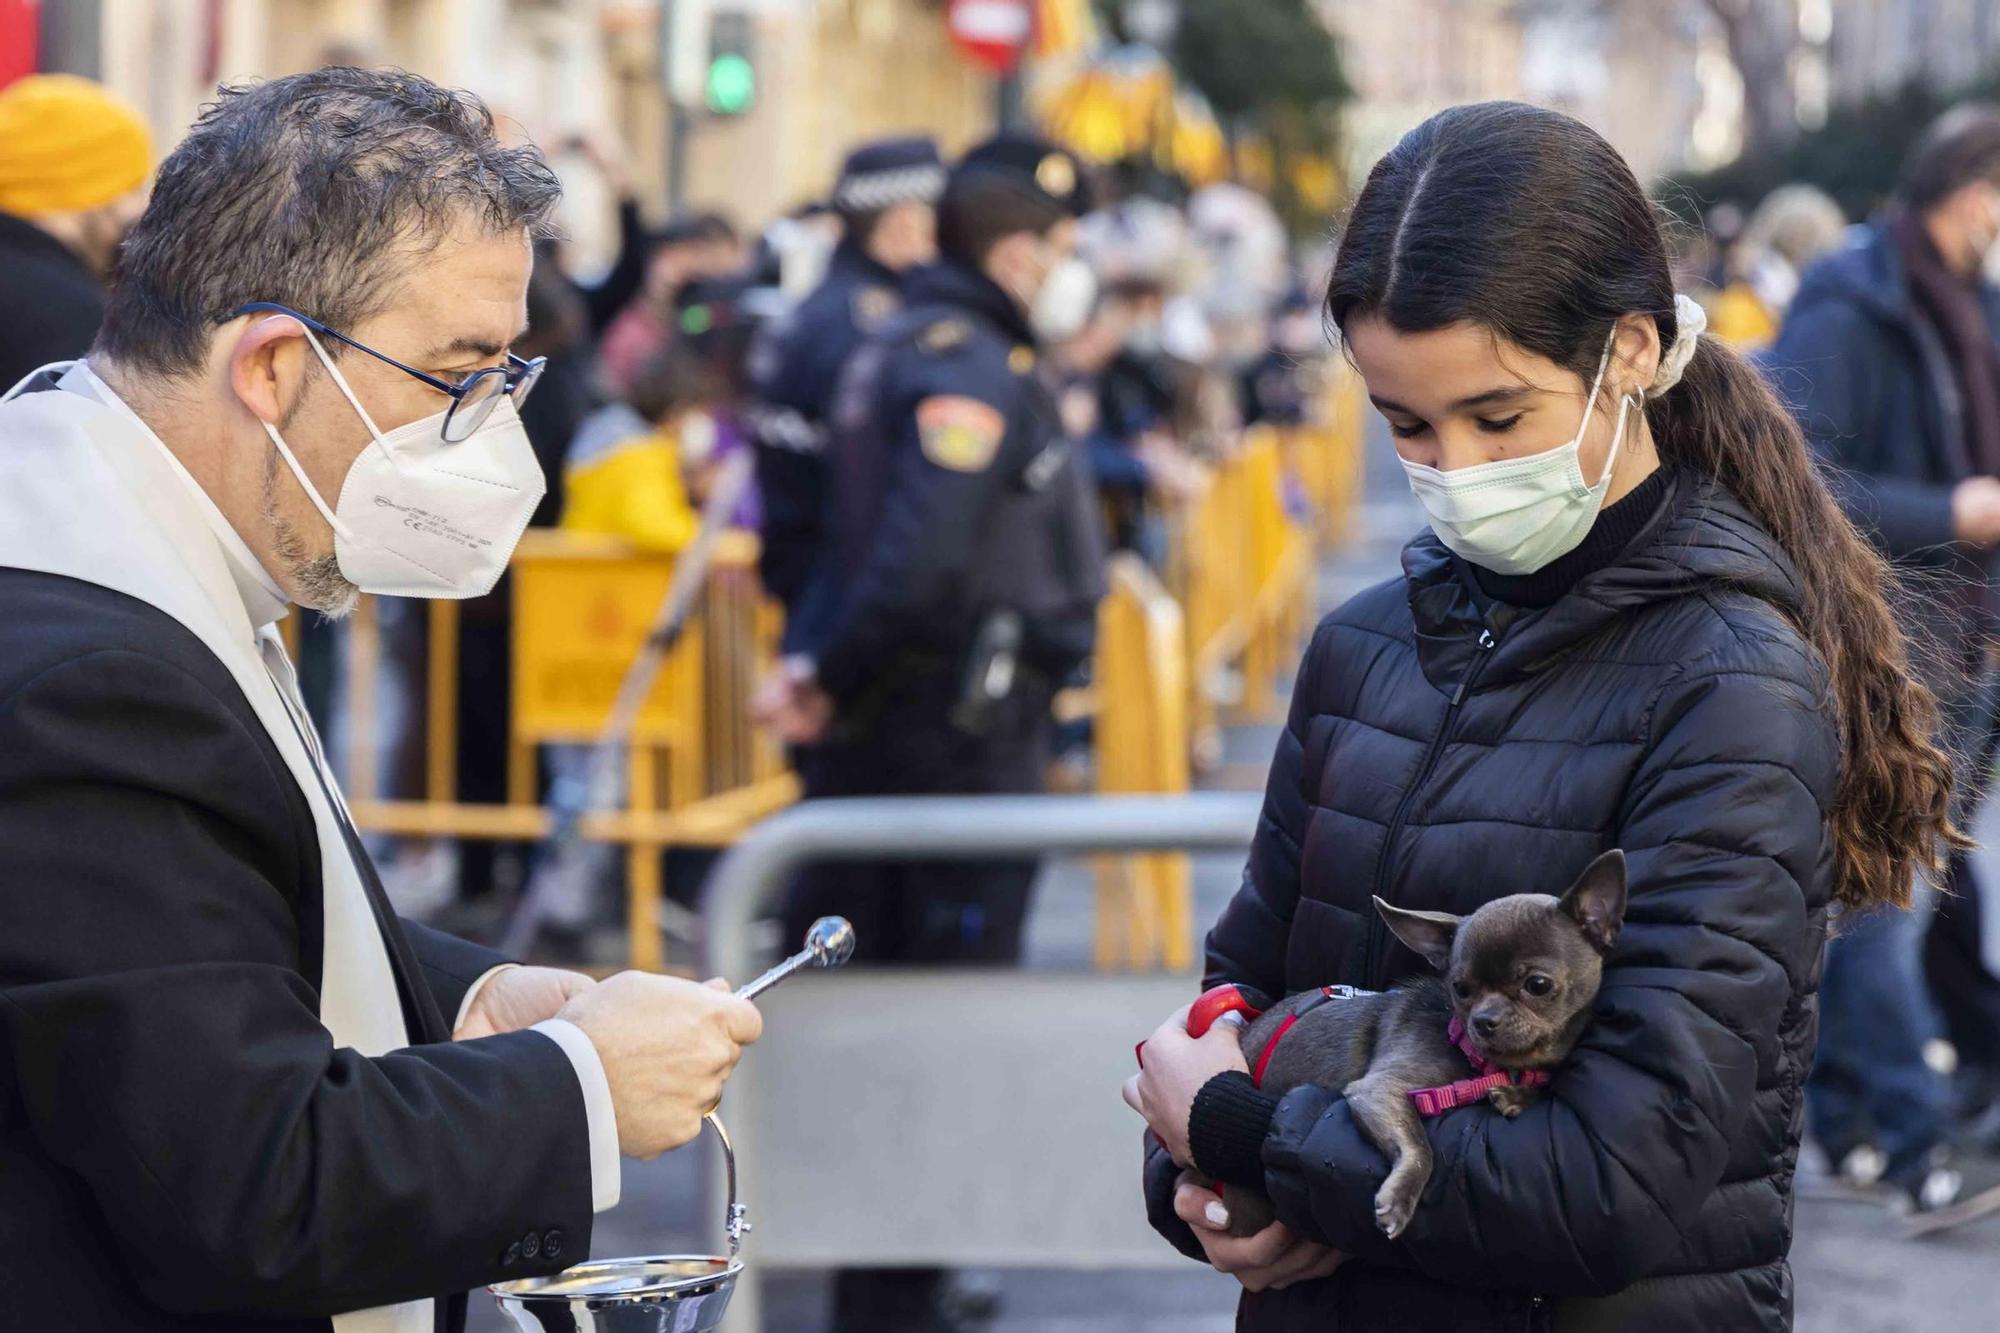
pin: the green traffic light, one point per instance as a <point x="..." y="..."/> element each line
<point x="732" y="85"/>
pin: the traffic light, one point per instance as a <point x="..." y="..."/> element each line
<point x="731" y="86"/>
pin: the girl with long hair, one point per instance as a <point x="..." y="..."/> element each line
<point x="1638" y="620"/>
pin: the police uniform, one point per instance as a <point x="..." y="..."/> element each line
<point x="795" y="365"/>
<point x="966" y="543"/>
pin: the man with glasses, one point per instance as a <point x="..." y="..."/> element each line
<point x="234" y="1087"/>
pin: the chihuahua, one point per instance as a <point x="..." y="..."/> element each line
<point x="1519" y="977"/>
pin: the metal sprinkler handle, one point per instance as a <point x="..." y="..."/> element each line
<point x="829" y="943"/>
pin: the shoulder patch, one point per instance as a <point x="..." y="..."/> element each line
<point x="960" y="434"/>
<point x="872" y="305"/>
<point x="944" y="336"/>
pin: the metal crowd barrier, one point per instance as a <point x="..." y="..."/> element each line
<point x="1144" y="902"/>
<point x="968" y="1117"/>
<point x="1234" y="605"/>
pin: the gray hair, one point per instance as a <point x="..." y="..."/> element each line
<point x="318" y="191"/>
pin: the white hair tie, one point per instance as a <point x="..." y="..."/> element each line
<point x="1690" y="319"/>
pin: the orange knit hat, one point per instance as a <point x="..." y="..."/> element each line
<point x="67" y="145"/>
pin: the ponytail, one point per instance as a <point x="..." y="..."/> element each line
<point x="1891" y="808"/>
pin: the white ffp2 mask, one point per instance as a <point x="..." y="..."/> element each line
<point x="417" y="517"/>
<point x="1062" y="305"/>
<point x="1516" y="515"/>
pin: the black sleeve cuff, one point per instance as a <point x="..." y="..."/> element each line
<point x="1227" y="1126"/>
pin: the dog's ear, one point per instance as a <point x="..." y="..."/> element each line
<point x="1596" y="902"/>
<point x="1429" y="933"/>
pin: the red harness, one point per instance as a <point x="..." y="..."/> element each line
<point x="1227" y="999"/>
<point x="1291" y="1020"/>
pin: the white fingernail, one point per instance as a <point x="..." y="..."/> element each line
<point x="1216" y="1214"/>
<point x="1235" y="1017"/>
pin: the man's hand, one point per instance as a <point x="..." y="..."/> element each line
<point x="668" y="1045"/>
<point x="790" y="704"/>
<point x="519" y="997"/>
<point x="1271" y="1260"/>
<point x="1975" y="511"/>
<point x="1173" y="1068"/>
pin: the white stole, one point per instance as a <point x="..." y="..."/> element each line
<point x="89" y="492"/>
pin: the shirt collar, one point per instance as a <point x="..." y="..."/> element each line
<point x="263" y="600"/>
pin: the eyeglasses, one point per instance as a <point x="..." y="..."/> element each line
<point x="472" y="398"/>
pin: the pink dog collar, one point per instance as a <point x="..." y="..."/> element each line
<point x="1465" y="1092"/>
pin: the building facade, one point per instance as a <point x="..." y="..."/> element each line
<point x="827" y="72"/>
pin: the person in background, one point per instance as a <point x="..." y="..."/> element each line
<point x="719" y="320"/>
<point x="885" y="200"/>
<point x="1795" y="225"/>
<point x="626" y="477"/>
<point x="73" y="166"/>
<point x="604" y="297"/>
<point x="567" y="393"/>
<point x="804" y="241"/>
<point x="971" y="563"/>
<point x="1113" y="400"/>
<point x="558" y="329"/>
<point x="1888" y="358"/>
<point x="1279" y="385"/>
<point x="719" y="248"/>
<point x="686" y="250"/>
<point x="625" y="471"/>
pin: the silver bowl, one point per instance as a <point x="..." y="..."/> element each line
<point x="662" y="1293"/>
<point x="673" y="1293"/>
<point x="668" y="1293"/>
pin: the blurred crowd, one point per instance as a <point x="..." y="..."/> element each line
<point x="679" y="342"/>
<point x="701" y="338"/>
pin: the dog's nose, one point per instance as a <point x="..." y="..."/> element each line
<point x="1484" y="1025"/>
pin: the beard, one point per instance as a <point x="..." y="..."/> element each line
<point x="316" y="580"/>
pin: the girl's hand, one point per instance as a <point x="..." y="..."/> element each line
<point x="1271" y="1260"/>
<point x="1173" y="1068"/>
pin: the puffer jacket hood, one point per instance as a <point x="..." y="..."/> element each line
<point x="1444" y="750"/>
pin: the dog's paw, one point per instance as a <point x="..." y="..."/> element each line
<point x="1511" y="1099"/>
<point x="1395" y="1205"/>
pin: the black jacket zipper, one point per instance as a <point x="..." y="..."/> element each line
<point x="1371" y="957"/>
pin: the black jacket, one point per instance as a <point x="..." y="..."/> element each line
<point x="1443" y="751"/>
<point x="181" y="1145"/>
<point x="1871" y="383"/>
<point x="53" y="302"/>
<point x="939" y="518"/>
<point x="795" y="367"/>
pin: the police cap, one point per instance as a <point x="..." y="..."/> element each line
<point x="1036" y="167"/>
<point x="884" y="172"/>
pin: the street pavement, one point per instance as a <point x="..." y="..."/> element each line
<point x="1854" y="1273"/>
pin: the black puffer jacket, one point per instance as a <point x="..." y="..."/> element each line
<point x="1443" y="751"/>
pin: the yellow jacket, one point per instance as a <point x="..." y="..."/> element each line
<point x="623" y="478"/>
<point x="1738" y="317"/>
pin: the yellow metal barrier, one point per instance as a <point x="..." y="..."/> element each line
<point x="699" y="773"/>
<point x="1325" y="453"/>
<point x="1145" y="904"/>
<point x="1242" y="568"/>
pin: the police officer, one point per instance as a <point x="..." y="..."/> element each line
<point x="885" y="201"/>
<point x="969" y="562"/>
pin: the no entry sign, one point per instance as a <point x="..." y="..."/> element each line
<point x="993" y="32"/>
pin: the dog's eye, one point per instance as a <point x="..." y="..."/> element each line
<point x="1538" y="985"/>
<point x="1461" y="990"/>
